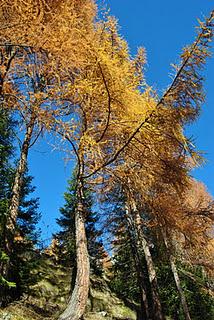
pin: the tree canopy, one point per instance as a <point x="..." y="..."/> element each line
<point x="67" y="72"/>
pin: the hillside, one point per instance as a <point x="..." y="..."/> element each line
<point x="48" y="298"/>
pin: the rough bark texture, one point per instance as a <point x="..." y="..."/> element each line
<point x="78" y="300"/>
<point x="13" y="210"/>
<point x="141" y="283"/>
<point x="177" y="281"/>
<point x="135" y="245"/>
<point x="15" y="199"/>
<point x="157" y="309"/>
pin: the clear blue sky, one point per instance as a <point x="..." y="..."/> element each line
<point x="163" y="28"/>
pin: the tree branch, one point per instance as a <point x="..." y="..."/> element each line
<point x="109" y="104"/>
<point x="168" y="91"/>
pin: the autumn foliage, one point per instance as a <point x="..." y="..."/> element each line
<point x="67" y="72"/>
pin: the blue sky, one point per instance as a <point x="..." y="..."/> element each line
<point x="163" y="28"/>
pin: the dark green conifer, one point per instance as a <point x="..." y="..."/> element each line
<point x="6" y="152"/>
<point x="66" y="235"/>
<point x="16" y="269"/>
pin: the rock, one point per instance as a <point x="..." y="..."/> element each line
<point x="48" y="297"/>
<point x="103" y="304"/>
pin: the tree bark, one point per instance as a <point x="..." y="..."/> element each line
<point x="16" y="189"/>
<point x="157" y="309"/>
<point x="78" y="300"/>
<point x="10" y="226"/>
<point x="143" y="295"/>
<point x="177" y="280"/>
<point x="135" y="245"/>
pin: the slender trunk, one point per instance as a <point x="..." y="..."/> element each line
<point x="157" y="309"/>
<point x="141" y="284"/>
<point x="177" y="280"/>
<point x="135" y="245"/>
<point x="78" y="300"/>
<point x="15" y="199"/>
<point x="143" y="296"/>
<point x="13" y="209"/>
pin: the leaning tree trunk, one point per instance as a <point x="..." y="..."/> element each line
<point x="135" y="245"/>
<point x="16" y="189"/>
<point x="157" y="309"/>
<point x="78" y="300"/>
<point x="177" y="280"/>
<point x="10" y="226"/>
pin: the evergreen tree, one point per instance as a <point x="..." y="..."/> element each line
<point x="22" y="262"/>
<point x="6" y="152"/>
<point x="195" y="285"/>
<point x="18" y="277"/>
<point x="66" y="236"/>
<point x="25" y="258"/>
<point x="129" y="272"/>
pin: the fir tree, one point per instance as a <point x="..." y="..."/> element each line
<point x="16" y="269"/>
<point x="195" y="285"/>
<point x="6" y="152"/>
<point x="129" y="272"/>
<point x="66" y="236"/>
<point x="25" y="258"/>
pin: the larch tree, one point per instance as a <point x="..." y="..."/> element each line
<point x="179" y="105"/>
<point x="43" y="31"/>
<point x="184" y="221"/>
<point x="90" y="90"/>
<point x="110" y="118"/>
<point x="107" y="134"/>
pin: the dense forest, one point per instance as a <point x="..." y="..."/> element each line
<point x="136" y="229"/>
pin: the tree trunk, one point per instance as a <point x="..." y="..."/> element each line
<point x="78" y="300"/>
<point x="157" y="309"/>
<point x="141" y="283"/>
<point x="177" y="280"/>
<point x="15" y="199"/>
<point x="135" y="245"/>
<point x="13" y="210"/>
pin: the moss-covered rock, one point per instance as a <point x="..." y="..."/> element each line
<point x="103" y="304"/>
<point x="19" y="312"/>
<point x="49" y="296"/>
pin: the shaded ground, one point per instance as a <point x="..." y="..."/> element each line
<point x="48" y="298"/>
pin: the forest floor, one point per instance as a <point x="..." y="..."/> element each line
<point x="48" y="298"/>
